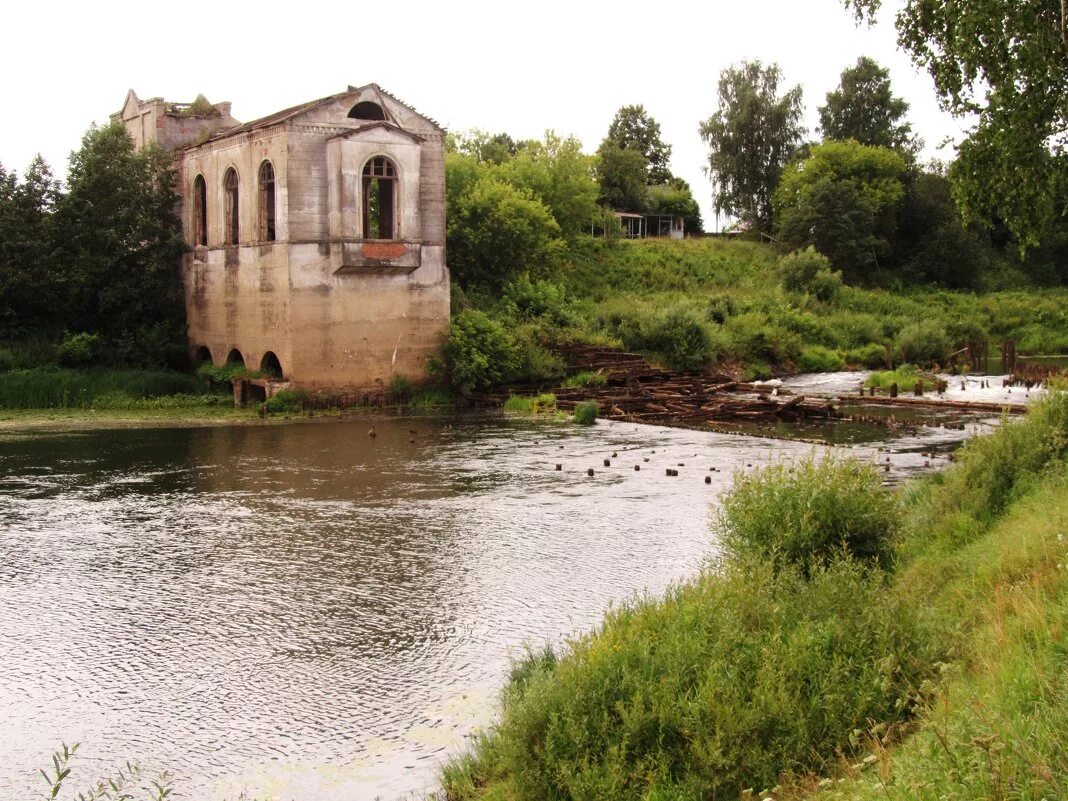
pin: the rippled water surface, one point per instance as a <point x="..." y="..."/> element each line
<point x="306" y="611"/>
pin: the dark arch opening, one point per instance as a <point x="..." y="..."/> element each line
<point x="200" y="211"/>
<point x="367" y="110"/>
<point x="270" y="365"/>
<point x="235" y="357"/>
<point x="202" y="356"/>
<point x="232" y="207"/>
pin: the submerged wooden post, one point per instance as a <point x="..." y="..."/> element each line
<point x="893" y="390"/>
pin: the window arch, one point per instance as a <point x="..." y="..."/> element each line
<point x="267" y="206"/>
<point x="202" y="356"/>
<point x="234" y="357"/>
<point x="200" y="211"/>
<point x="367" y="110"/>
<point x="231" y="208"/>
<point x="379" y="199"/>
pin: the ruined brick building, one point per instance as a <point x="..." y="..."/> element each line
<point x="316" y="234"/>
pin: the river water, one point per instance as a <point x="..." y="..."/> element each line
<point x="307" y="612"/>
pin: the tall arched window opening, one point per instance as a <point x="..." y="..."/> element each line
<point x="379" y="199"/>
<point x="232" y="207"/>
<point x="200" y="211"/>
<point x="267" y="230"/>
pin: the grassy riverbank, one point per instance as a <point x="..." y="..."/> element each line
<point x="853" y="640"/>
<point x="706" y="302"/>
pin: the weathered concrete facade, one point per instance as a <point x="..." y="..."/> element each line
<point x="317" y="235"/>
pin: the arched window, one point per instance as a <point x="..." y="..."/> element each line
<point x="367" y="110"/>
<point x="231" y="208"/>
<point x="379" y="199"/>
<point x="200" y="211"/>
<point x="234" y="357"/>
<point x="202" y="356"/>
<point x="266" y="202"/>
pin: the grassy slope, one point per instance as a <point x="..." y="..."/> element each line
<point x="733" y="288"/>
<point x="950" y="673"/>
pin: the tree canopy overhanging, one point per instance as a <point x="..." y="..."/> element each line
<point x="1006" y="63"/>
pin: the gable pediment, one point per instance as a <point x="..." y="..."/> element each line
<point x="380" y="133"/>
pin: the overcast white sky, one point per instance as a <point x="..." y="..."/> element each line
<point x="515" y="67"/>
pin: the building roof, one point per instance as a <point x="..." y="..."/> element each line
<point x="302" y="108"/>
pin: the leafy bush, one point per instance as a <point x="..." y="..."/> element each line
<point x="7" y="360"/>
<point x="526" y="299"/>
<point x="678" y="337"/>
<point x="754" y="338"/>
<point x="286" y="400"/>
<point x="818" y="359"/>
<point x="727" y="682"/>
<point x="479" y="352"/>
<point x="810" y="271"/>
<point x="77" y="350"/>
<point x="535" y="361"/>
<point x="400" y="389"/>
<point x="719" y="308"/>
<point x="496" y="231"/>
<point x="810" y="513"/>
<point x="870" y="355"/>
<point x="924" y="342"/>
<point x="586" y="413"/>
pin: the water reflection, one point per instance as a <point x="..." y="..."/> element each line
<point x="310" y="611"/>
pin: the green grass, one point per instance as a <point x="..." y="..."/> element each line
<point x="49" y="388"/>
<point x="711" y="302"/>
<point x="940" y="673"/>
<point x="531" y="405"/>
<point x="905" y="377"/>
<point x="585" y="379"/>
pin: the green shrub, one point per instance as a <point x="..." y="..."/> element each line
<point x="678" y="337"/>
<point x="77" y="350"/>
<point x="728" y="682"/>
<point x="809" y="271"/>
<point x="479" y="353"/>
<point x="585" y="379"/>
<point x="810" y="512"/>
<point x="924" y="342"/>
<point x="720" y="307"/>
<point x="400" y="389"/>
<point x="286" y="400"/>
<point x="586" y="413"/>
<point x="526" y="299"/>
<point x="870" y="356"/>
<point x="535" y="361"/>
<point x="755" y="338"/>
<point x="818" y="359"/>
<point x="7" y="360"/>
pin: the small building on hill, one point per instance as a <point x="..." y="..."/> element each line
<point x="316" y="234"/>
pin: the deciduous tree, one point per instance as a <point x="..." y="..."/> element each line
<point x="1005" y="61"/>
<point x="863" y="107"/>
<point x="634" y="129"/>
<point x="751" y="137"/>
<point x="843" y="199"/>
